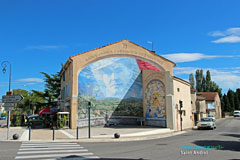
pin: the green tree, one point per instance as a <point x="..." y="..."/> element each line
<point x="230" y="95"/>
<point x="208" y="81"/>
<point x="227" y="106"/>
<point x="199" y="79"/>
<point x="31" y="101"/>
<point x="236" y="102"/>
<point x="203" y="87"/>
<point x="192" y="81"/>
<point x="52" y="89"/>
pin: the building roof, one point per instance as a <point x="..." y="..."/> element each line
<point x="151" y="52"/>
<point x="181" y="80"/>
<point x="201" y="98"/>
<point x="210" y="96"/>
<point x="129" y="42"/>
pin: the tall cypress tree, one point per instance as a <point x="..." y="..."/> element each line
<point x="230" y="95"/>
<point x="199" y="79"/>
<point x="236" y="101"/>
<point x="227" y="106"/>
<point x="192" y="81"/>
<point x="208" y="81"/>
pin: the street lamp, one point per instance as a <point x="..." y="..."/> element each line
<point x="4" y="66"/>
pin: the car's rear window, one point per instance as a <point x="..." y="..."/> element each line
<point x="206" y="120"/>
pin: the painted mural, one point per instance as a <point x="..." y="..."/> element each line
<point x="155" y="100"/>
<point x="114" y="87"/>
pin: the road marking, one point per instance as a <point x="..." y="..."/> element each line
<point x="78" y="158"/>
<point x="53" y="151"/>
<point x="34" y="152"/>
<point x="67" y="134"/>
<point x="48" y="142"/>
<point x="53" y="155"/>
<point x="24" y="136"/>
<point x="46" y="148"/>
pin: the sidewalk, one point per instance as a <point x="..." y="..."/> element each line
<point x="98" y="134"/>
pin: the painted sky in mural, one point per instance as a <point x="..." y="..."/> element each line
<point x="110" y="78"/>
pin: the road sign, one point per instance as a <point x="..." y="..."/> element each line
<point x="8" y="108"/>
<point x="12" y="98"/>
<point x="6" y="105"/>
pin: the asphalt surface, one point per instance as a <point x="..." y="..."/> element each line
<point x="8" y="150"/>
<point x="226" y="138"/>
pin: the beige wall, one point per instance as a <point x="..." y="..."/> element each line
<point x="182" y="92"/>
<point x="217" y="105"/>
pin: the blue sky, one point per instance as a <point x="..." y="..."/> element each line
<point x="38" y="36"/>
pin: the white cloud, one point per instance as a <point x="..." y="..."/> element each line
<point x="45" y="47"/>
<point x="231" y="35"/>
<point x="188" y="57"/>
<point x="216" y="34"/>
<point x="228" y="39"/>
<point x="30" y="80"/>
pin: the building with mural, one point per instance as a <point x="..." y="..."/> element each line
<point x="124" y="83"/>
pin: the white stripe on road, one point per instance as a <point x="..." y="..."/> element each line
<point x="46" y="148"/>
<point x="52" y="155"/>
<point x="78" y="158"/>
<point x="25" y="143"/>
<point x="24" y="136"/>
<point x="65" y="151"/>
<point x="35" y="146"/>
<point x="67" y="134"/>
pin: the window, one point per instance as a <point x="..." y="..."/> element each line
<point x="63" y="93"/>
<point x="64" y="76"/>
<point x="178" y="89"/>
<point x="68" y="89"/>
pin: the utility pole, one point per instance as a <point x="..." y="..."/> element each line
<point x="4" y="66"/>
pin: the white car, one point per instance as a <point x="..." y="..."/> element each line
<point x="212" y="116"/>
<point x="206" y="123"/>
<point x="236" y="113"/>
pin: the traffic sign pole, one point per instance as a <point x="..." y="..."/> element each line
<point x="9" y="100"/>
<point x="8" y="119"/>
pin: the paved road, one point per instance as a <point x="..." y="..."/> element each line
<point x="8" y="150"/>
<point x="227" y="135"/>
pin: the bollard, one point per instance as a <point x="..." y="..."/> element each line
<point x="29" y="135"/>
<point x="77" y="132"/>
<point x="53" y="134"/>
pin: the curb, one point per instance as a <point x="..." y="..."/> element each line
<point x="108" y="139"/>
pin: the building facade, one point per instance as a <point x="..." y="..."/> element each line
<point x="124" y="82"/>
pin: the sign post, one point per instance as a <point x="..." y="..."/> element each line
<point x="9" y="101"/>
<point x="89" y="120"/>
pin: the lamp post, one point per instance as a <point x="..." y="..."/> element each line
<point x="4" y="66"/>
